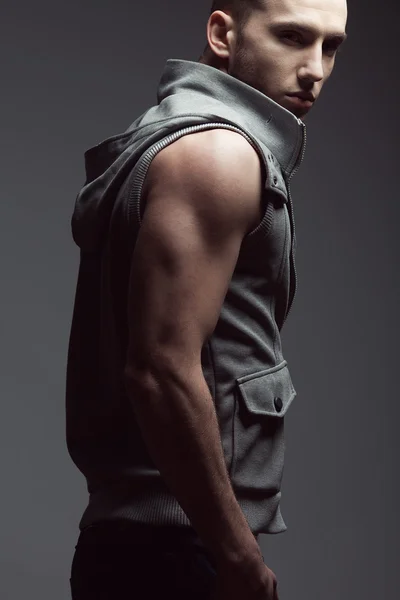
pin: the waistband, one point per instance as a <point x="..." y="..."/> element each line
<point x="144" y="534"/>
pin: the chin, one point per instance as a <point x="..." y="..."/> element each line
<point x="297" y="113"/>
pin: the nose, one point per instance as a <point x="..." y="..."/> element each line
<point x="312" y="69"/>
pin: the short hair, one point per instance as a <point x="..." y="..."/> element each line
<point x="240" y="10"/>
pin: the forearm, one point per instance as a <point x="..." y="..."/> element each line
<point x="179" y="425"/>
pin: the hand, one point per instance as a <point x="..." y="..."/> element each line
<point x="233" y="584"/>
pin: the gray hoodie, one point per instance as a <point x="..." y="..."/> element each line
<point x="242" y="360"/>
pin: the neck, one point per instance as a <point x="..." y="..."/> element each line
<point x="210" y="59"/>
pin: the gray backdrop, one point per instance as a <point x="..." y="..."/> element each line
<point x="77" y="72"/>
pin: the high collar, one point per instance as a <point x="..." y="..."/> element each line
<point x="279" y="129"/>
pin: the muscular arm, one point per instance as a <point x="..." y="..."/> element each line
<point x="203" y="195"/>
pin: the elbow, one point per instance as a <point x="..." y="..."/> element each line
<point x="154" y="376"/>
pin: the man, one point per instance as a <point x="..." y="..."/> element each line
<point x="176" y="383"/>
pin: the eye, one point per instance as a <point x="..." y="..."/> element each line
<point x="290" y="34"/>
<point x="332" y="50"/>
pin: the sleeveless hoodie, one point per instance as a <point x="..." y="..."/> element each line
<point x="242" y="360"/>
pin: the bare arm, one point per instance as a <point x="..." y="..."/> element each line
<point x="203" y="196"/>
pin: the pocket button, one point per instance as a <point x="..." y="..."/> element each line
<point x="278" y="404"/>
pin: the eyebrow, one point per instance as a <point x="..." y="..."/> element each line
<point x="331" y="37"/>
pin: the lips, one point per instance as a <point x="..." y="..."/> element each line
<point x="297" y="101"/>
<point x="304" y="96"/>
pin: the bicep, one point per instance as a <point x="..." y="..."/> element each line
<point x="194" y="222"/>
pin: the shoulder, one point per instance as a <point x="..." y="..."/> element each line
<point x="213" y="162"/>
<point x="224" y="147"/>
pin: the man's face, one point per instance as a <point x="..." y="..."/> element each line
<point x="279" y="59"/>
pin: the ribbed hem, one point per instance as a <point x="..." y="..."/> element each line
<point x="155" y="507"/>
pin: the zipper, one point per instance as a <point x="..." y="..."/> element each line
<point x="294" y="171"/>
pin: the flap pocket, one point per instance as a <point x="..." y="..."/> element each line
<point x="258" y="443"/>
<point x="269" y="392"/>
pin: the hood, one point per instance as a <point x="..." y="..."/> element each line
<point x="186" y="89"/>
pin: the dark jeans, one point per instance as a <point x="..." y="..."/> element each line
<point x="122" y="561"/>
